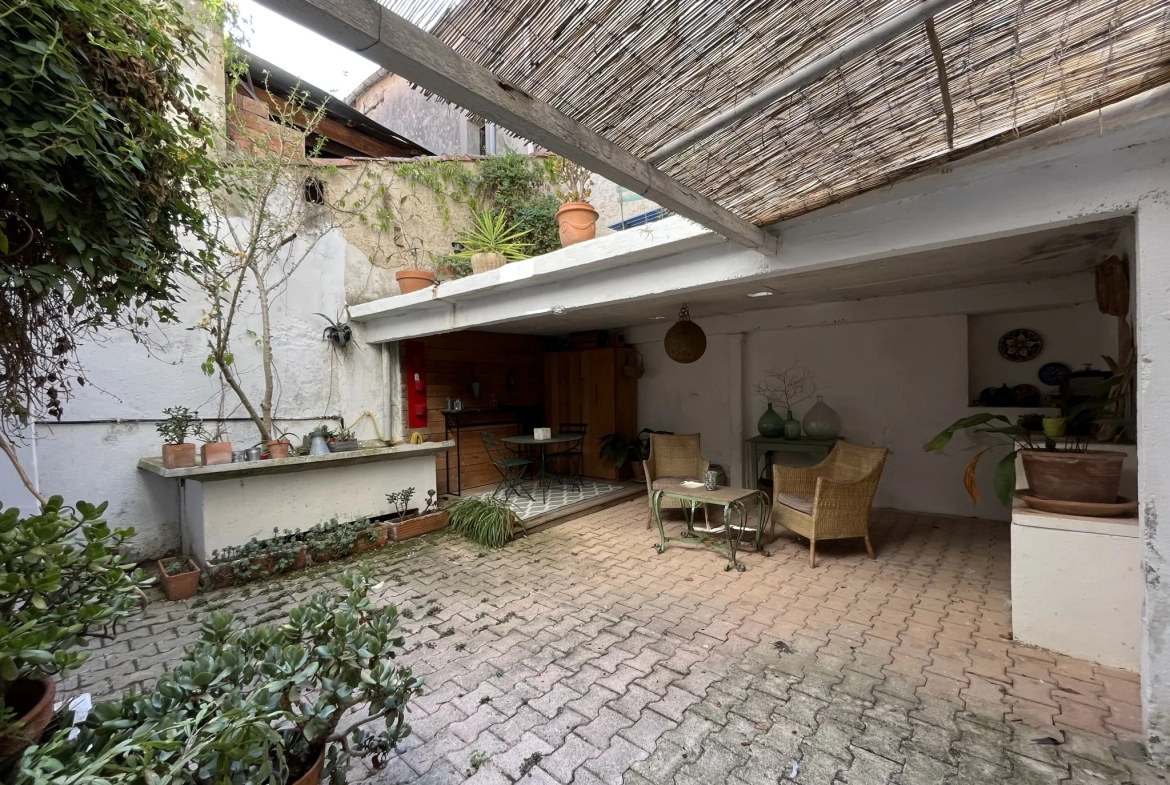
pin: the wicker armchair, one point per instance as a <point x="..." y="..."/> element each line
<point x="672" y="459"/>
<point x="829" y="501"/>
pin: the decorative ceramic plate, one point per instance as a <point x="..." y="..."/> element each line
<point x="1122" y="506"/>
<point x="1052" y="373"/>
<point x="1020" y="345"/>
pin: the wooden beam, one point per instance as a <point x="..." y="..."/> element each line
<point x="334" y="130"/>
<point x="943" y="83"/>
<point x="387" y="39"/>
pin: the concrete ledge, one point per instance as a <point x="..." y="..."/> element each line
<point x="300" y="463"/>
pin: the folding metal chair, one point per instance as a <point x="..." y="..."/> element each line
<point x="573" y="454"/>
<point x="510" y="467"/>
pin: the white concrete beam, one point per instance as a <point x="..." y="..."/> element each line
<point x="387" y="39"/>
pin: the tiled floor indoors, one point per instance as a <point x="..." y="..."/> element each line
<point x="580" y="655"/>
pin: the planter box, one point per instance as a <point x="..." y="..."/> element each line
<point x="416" y="526"/>
<point x="376" y="540"/>
<point x="253" y="568"/>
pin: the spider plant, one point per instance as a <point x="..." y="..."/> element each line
<point x="486" y="520"/>
<point x="493" y="234"/>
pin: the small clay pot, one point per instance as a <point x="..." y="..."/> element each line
<point x="278" y="449"/>
<point x="180" y="586"/>
<point x="1092" y="476"/>
<point x="179" y="456"/>
<point x="577" y="222"/>
<point x="216" y="453"/>
<point x="32" y="701"/>
<point x="414" y="280"/>
<point x="482" y="262"/>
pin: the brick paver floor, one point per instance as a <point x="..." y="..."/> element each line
<point x="580" y="655"/>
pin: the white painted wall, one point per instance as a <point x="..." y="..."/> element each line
<point x="1074" y="335"/>
<point x="896" y="379"/>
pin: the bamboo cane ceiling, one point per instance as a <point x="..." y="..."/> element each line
<point x="643" y="72"/>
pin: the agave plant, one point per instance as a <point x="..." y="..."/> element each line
<point x="493" y="234"/>
<point x="484" y="519"/>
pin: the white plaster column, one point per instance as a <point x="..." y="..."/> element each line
<point x="735" y="350"/>
<point x="1153" y="417"/>
<point x="392" y="392"/>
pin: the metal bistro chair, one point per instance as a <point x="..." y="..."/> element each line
<point x="510" y="467"/>
<point x="572" y="454"/>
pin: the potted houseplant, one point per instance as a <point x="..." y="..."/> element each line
<point x="256" y="559"/>
<point x="286" y="703"/>
<point x="414" y="279"/>
<point x="618" y="449"/>
<point x="278" y="448"/>
<point x="407" y="522"/>
<point x="181" y="422"/>
<point x="64" y="583"/>
<point x="179" y="576"/>
<point x="572" y="184"/>
<point x="1063" y="469"/>
<point x="343" y="440"/>
<point x="215" y="450"/>
<point x="492" y="242"/>
<point x="484" y="519"/>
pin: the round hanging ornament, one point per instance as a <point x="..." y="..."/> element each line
<point x="685" y="341"/>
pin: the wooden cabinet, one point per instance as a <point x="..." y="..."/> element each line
<point x="591" y="387"/>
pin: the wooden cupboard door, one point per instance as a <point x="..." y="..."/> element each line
<point x="598" y="411"/>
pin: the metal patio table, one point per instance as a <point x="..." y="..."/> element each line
<point x="732" y="500"/>
<point x="543" y="476"/>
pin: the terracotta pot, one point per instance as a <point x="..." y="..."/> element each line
<point x="32" y="701"/>
<point x="414" y="280"/>
<point x="216" y="453"/>
<point x="639" y="471"/>
<point x="577" y="222"/>
<point x="1093" y="476"/>
<point x="418" y="525"/>
<point x="178" y="456"/>
<point x="178" y="587"/>
<point x="313" y="775"/>
<point x="482" y="262"/>
<point x="278" y="449"/>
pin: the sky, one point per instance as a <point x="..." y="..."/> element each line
<point x="301" y="52"/>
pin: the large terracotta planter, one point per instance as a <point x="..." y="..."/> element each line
<point x="180" y="586"/>
<point x="178" y="456"/>
<point x="32" y="701"/>
<point x="313" y="775"/>
<point x="1093" y="476"/>
<point x="577" y="222"/>
<point x="414" y="280"/>
<point x="216" y="453"/>
<point x="482" y="262"/>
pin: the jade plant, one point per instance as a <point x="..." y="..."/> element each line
<point x="63" y="582"/>
<point x="256" y="703"/>
<point x="179" y="424"/>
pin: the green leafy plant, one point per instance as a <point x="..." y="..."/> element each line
<point x="509" y="181"/>
<point x="258" y="703"/>
<point x="1097" y="408"/>
<point x="450" y="266"/>
<point x="571" y="181"/>
<point x="180" y="423"/>
<point x="484" y="519"/>
<point x="618" y="449"/>
<point x="492" y="233"/>
<point x="102" y="153"/>
<point x="401" y="502"/>
<point x="179" y="565"/>
<point x="538" y="218"/>
<point x="62" y="583"/>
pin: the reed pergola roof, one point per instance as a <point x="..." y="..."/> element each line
<point x="643" y="72"/>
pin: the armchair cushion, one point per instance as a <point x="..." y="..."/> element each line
<point x="801" y="502"/>
<point x="662" y="483"/>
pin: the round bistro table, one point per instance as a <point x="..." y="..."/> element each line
<point x="543" y="476"/>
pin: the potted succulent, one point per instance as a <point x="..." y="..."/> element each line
<point x="180" y="423"/>
<point x="409" y="522"/>
<point x="343" y="440"/>
<point x="258" y="703"/>
<point x="215" y="450"/>
<point x="64" y="583"/>
<point x="484" y="519"/>
<point x="256" y="559"/>
<point x="1059" y="468"/>
<point x="179" y="576"/>
<point x="492" y="242"/>
<point x="572" y="184"/>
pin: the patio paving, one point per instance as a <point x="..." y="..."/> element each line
<point x="579" y="655"/>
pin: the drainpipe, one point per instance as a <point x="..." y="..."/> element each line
<point x="806" y="75"/>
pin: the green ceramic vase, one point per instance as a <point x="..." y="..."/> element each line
<point x="771" y="423"/>
<point x="791" y="427"/>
